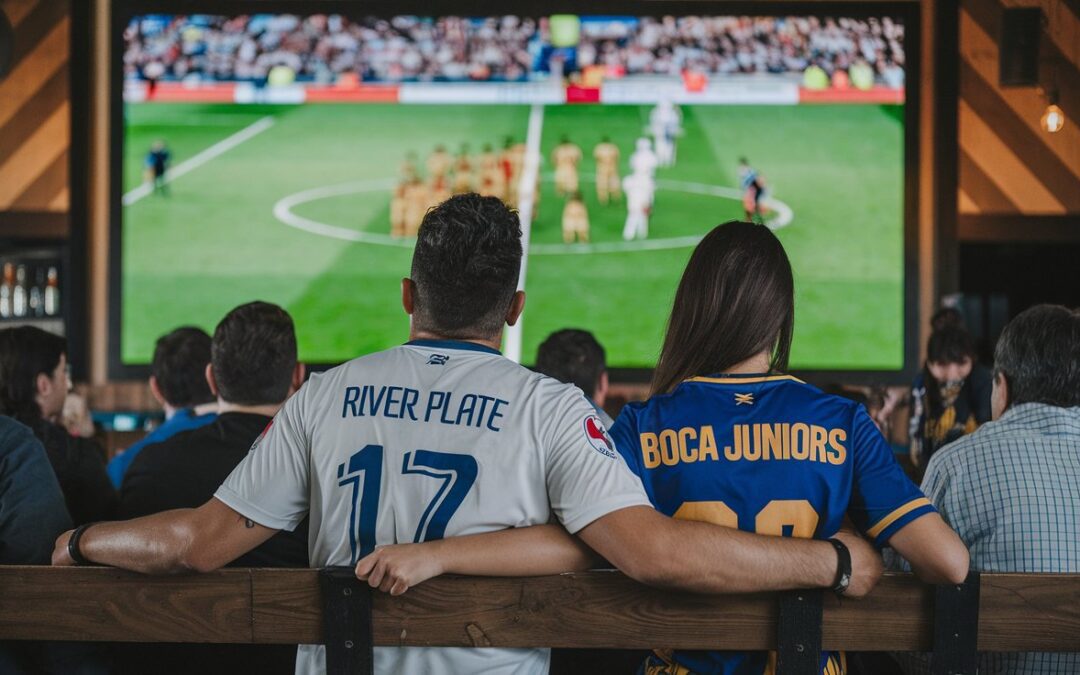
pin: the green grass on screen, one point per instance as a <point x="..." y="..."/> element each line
<point x="215" y="242"/>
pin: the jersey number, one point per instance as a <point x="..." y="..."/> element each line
<point x="363" y="472"/>
<point x="780" y="517"/>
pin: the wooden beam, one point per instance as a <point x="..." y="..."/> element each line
<point x="33" y="225"/>
<point x="592" y="609"/>
<point x="1016" y="228"/>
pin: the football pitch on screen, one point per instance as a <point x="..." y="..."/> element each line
<point x="215" y="240"/>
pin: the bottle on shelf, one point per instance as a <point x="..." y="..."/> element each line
<point x="37" y="291"/>
<point x="52" y="293"/>
<point x="18" y="296"/>
<point x="6" y="290"/>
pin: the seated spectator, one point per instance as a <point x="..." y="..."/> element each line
<point x="32" y="516"/>
<point x="33" y="387"/>
<point x="574" y="356"/>
<point x="32" y="510"/>
<point x="1011" y="490"/>
<point x="253" y="369"/>
<point x="951" y="397"/>
<point x="178" y="383"/>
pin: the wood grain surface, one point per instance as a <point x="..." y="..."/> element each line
<point x="591" y="609"/>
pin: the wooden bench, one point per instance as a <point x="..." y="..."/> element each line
<point x="600" y="609"/>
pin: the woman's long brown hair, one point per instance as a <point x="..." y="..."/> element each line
<point x="736" y="299"/>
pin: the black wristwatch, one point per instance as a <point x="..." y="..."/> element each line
<point x="73" y="545"/>
<point x="843" y="567"/>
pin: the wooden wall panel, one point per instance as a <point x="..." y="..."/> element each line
<point x="35" y="115"/>
<point x="1008" y="164"/>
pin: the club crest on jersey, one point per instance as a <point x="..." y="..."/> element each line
<point x="438" y="360"/>
<point x="259" y="440"/>
<point x="598" y="437"/>
<point x="744" y="399"/>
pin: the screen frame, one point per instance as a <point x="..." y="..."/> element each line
<point x="907" y="10"/>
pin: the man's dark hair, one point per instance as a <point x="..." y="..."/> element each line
<point x="572" y="356"/>
<point x="1038" y="354"/>
<point x="945" y="317"/>
<point x="950" y="344"/>
<point x="736" y="299"/>
<point x="179" y="367"/>
<point x="253" y="354"/>
<point x="466" y="266"/>
<point x="25" y="353"/>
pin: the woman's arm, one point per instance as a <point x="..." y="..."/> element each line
<point x="936" y="553"/>
<point x="516" y="552"/>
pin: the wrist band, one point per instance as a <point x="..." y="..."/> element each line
<point x="73" y="545"/>
<point x="843" y="567"/>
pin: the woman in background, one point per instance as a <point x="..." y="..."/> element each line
<point x="33" y="387"/>
<point x="951" y="397"/>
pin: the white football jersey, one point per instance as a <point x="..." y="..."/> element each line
<point x="426" y="440"/>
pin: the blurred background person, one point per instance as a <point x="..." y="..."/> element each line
<point x="951" y="397"/>
<point x="32" y="515"/>
<point x="575" y="357"/>
<point x="178" y="384"/>
<point x="33" y="386"/>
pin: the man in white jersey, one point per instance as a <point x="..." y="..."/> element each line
<point x="643" y="160"/>
<point x="665" y="123"/>
<point x="639" y="188"/>
<point x="443" y="437"/>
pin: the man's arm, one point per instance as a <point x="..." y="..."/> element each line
<point x="695" y="556"/>
<point x="935" y="552"/>
<point x="182" y="540"/>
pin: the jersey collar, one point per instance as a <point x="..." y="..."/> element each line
<point x="743" y="378"/>
<point x="453" y="344"/>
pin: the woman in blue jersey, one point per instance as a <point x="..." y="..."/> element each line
<point x="727" y="437"/>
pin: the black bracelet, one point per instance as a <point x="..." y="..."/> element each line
<point x="843" y="567"/>
<point x="73" y="545"/>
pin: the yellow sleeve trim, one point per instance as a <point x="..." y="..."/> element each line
<point x="745" y="380"/>
<point x="896" y="515"/>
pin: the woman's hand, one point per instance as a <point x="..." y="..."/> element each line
<point x="397" y="568"/>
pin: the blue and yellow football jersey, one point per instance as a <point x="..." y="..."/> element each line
<point x="766" y="454"/>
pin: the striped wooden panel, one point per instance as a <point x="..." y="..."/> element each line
<point x="1008" y="164"/>
<point x="35" y="125"/>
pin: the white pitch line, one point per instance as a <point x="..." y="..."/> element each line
<point x="526" y="205"/>
<point x="194" y="162"/>
<point x="283" y="211"/>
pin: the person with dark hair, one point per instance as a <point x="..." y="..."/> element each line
<point x="444" y="441"/>
<point x="33" y="386"/>
<point x="178" y="383"/>
<point x="1011" y="489"/>
<point x="575" y="357"/>
<point x="729" y="438"/>
<point x="252" y="370"/>
<point x="951" y="397"/>
<point x="947" y="317"/>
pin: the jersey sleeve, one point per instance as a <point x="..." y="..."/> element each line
<point x="586" y="478"/>
<point x="883" y="498"/>
<point x="270" y="485"/>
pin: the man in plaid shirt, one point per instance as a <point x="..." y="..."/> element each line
<point x="1011" y="490"/>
